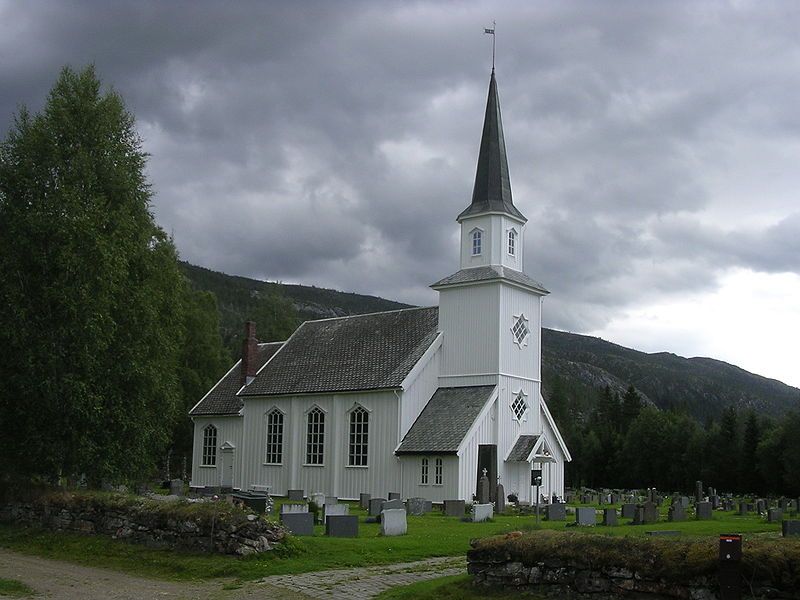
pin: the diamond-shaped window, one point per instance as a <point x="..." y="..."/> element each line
<point x="519" y="406"/>
<point x="520" y="330"/>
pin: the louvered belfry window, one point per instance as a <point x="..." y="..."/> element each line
<point x="274" y="437"/>
<point x="315" y="437"/>
<point x="359" y="434"/>
<point x="209" y="446"/>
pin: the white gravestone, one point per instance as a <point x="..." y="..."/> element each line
<point x="482" y="512"/>
<point x="393" y="522"/>
<point x="318" y="499"/>
<point x="294" y="508"/>
<point x="335" y="510"/>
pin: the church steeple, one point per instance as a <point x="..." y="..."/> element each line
<point x="492" y="191"/>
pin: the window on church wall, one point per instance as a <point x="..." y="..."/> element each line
<point x="477" y="241"/>
<point x="520" y="330"/>
<point x="512" y="242"/>
<point x="438" y="472"/>
<point x="423" y="476"/>
<point x="209" y="446"/>
<point x="359" y="434"/>
<point x="519" y="406"/>
<point x="315" y="437"/>
<point x="274" y="454"/>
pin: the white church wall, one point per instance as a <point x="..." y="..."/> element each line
<point x="411" y="485"/>
<point x="513" y="261"/>
<point x="520" y="360"/>
<point x="508" y="427"/>
<point x="420" y="386"/>
<point x="467" y="227"/>
<point x="484" y="432"/>
<point x="334" y="477"/>
<point x="229" y="429"/>
<point x="472" y="349"/>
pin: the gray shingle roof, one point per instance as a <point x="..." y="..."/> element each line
<point x="222" y="399"/>
<point x="363" y="352"/>
<point x="445" y="420"/>
<point x="522" y="448"/>
<point x="492" y="190"/>
<point x="489" y="273"/>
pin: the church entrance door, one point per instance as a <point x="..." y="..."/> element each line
<point x="487" y="459"/>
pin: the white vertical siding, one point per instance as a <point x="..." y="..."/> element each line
<point x="411" y="466"/>
<point x="482" y="259"/>
<point x="229" y="429"/>
<point x="485" y="432"/>
<point x="522" y="361"/>
<point x="468" y="320"/>
<point x="334" y="477"/>
<point x="419" y="391"/>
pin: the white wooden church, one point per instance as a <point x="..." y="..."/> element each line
<point x="417" y="401"/>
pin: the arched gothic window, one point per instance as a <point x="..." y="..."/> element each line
<point x="274" y="454"/>
<point x="477" y="240"/>
<point x="315" y="437"/>
<point x="209" y="446"/>
<point x="359" y="435"/>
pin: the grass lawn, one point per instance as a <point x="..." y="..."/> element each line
<point x="12" y="588"/>
<point x="428" y="536"/>
<point x="457" y="587"/>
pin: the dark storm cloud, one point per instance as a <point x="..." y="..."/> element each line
<point x="334" y="143"/>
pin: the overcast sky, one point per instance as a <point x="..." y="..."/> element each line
<point x="653" y="147"/>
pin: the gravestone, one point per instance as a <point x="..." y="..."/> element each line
<point x="500" y="499"/>
<point x="293" y="508"/>
<point x="783" y="503"/>
<point x="615" y="499"/>
<point x="703" y="511"/>
<point x="698" y="491"/>
<point x="393" y="504"/>
<point x="454" y="508"/>
<point x="628" y="511"/>
<point x="650" y="513"/>
<point x="298" y="523"/>
<point x="743" y="508"/>
<point x="684" y="501"/>
<point x="331" y="500"/>
<point x="715" y="502"/>
<point x="415" y="506"/>
<point x="375" y="506"/>
<point x="761" y="506"/>
<point x="317" y="498"/>
<point x="393" y="522"/>
<point x="483" y="489"/>
<point x="394" y="495"/>
<point x="363" y="501"/>
<point x="556" y="512"/>
<point x="428" y="506"/>
<point x="711" y="491"/>
<point x="790" y="528"/>
<point x="295" y="494"/>
<point x="176" y="487"/>
<point x="638" y="515"/>
<point x="610" y="517"/>
<point x="774" y="515"/>
<point x="341" y="525"/>
<point x="482" y="512"/>
<point x="585" y="516"/>
<point x="337" y="510"/>
<point x="676" y="513"/>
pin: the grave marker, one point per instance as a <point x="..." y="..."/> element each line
<point x="393" y="522"/>
<point x="341" y="525"/>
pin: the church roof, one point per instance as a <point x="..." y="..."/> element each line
<point x="363" y="352"/>
<point x="490" y="273"/>
<point x="445" y="420"/>
<point x="522" y="448"/>
<point x="222" y="399"/>
<point x="492" y="190"/>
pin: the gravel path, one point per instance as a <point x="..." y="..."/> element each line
<point x="65" y="581"/>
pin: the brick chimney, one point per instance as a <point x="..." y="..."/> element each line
<point x="249" y="353"/>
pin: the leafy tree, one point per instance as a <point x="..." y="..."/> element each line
<point x="631" y="407"/>
<point x="749" y="472"/>
<point x="90" y="293"/>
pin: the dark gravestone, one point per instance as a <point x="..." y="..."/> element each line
<point x="363" y="501"/>
<point x="415" y="507"/>
<point x="299" y="523"/>
<point x="454" y="508"/>
<point x="684" y="501"/>
<point x="341" y="526"/>
<point x="483" y="489"/>
<point x="585" y="516"/>
<point x="698" y="491"/>
<point x="556" y="512"/>
<point x="428" y="506"/>
<point x="715" y="502"/>
<point x="393" y="504"/>
<point x="610" y="517"/>
<point x="743" y="508"/>
<point x="703" y="511"/>
<point x="375" y="506"/>
<point x="628" y="511"/>
<point x="761" y="506"/>
<point x="650" y="512"/>
<point x="783" y="504"/>
<point x="500" y="499"/>
<point x="615" y="498"/>
<point x="638" y="516"/>
<point x="774" y="515"/>
<point x="295" y="494"/>
<point x="394" y="495"/>
<point x="791" y="528"/>
<point x="676" y="512"/>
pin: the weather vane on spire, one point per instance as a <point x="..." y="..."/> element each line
<point x="491" y="32"/>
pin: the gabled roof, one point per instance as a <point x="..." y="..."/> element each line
<point x="445" y="420"/>
<point x="222" y="399"/>
<point x="490" y="273"/>
<point x="492" y="190"/>
<point x="522" y="448"/>
<point x="363" y="352"/>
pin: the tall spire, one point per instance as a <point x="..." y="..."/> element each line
<point x="492" y="191"/>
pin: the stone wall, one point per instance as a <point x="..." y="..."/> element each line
<point x="188" y="527"/>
